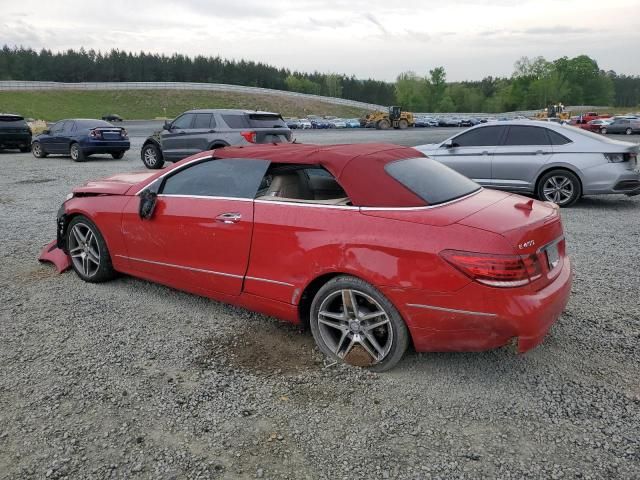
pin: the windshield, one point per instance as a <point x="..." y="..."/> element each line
<point x="432" y="181"/>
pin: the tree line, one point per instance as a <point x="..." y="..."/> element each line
<point x="534" y="84"/>
<point x="82" y="65"/>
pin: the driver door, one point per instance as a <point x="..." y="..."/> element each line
<point x="199" y="236"/>
<point x="175" y="141"/>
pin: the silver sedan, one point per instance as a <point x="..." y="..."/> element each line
<point x="558" y="163"/>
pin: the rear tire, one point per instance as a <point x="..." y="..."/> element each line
<point x="628" y="131"/>
<point x="25" y="149"/>
<point x="117" y="155"/>
<point x="560" y="187"/>
<point x="403" y="124"/>
<point x="151" y="156"/>
<point x="603" y="130"/>
<point x="37" y="150"/>
<point x="90" y="257"/>
<point x="372" y="335"/>
<point x="76" y="153"/>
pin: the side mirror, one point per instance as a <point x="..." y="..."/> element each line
<point x="167" y="125"/>
<point x="147" y="206"/>
<point x="449" y="144"/>
<point x="46" y="131"/>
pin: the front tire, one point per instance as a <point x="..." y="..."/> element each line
<point x="603" y="131"/>
<point x="117" y="155"/>
<point x="628" y="131"/>
<point x="151" y="156"/>
<point x="90" y="257"/>
<point x="37" y="150"/>
<point x="560" y="187"/>
<point x="383" y="125"/>
<point x="352" y="322"/>
<point x="76" y="153"/>
<point x="403" y="124"/>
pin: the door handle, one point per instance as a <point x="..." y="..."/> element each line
<point x="542" y="152"/>
<point x="229" y="217"/>
<point x="181" y="132"/>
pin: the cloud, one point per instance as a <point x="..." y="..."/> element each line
<point x="370" y="17"/>
<point x="326" y="23"/>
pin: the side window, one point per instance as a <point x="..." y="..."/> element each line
<point x="235" y="178"/>
<point x="480" y="137"/>
<point x="556" y="139"/>
<point x="57" y="127"/>
<point x="521" y="135"/>
<point x="69" y="126"/>
<point x="202" y="121"/>
<point x="212" y="124"/>
<point x="183" y="121"/>
<point x="301" y="184"/>
<point x="236" y="121"/>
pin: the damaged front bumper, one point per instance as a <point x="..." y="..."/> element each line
<point x="55" y="250"/>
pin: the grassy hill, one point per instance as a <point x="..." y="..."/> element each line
<point x="53" y="105"/>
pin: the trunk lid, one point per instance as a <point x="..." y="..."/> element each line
<point x="114" y="185"/>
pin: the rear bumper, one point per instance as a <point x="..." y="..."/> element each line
<point x="478" y="318"/>
<point x="15" y="140"/>
<point x="610" y="178"/>
<point x="105" y="146"/>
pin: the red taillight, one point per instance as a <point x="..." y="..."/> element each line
<point x="249" y="136"/>
<point x="495" y="270"/>
<point x="93" y="133"/>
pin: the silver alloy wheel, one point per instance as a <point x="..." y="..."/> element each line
<point x="150" y="157"/>
<point x="628" y="131"/>
<point x="37" y="149"/>
<point x="84" y="249"/>
<point x="74" y="151"/>
<point x="349" y="318"/>
<point x="558" y="189"/>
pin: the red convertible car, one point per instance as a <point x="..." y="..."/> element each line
<point x="373" y="246"/>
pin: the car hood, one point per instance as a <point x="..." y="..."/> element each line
<point x="115" y="185"/>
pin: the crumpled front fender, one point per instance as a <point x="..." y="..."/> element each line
<point x="51" y="253"/>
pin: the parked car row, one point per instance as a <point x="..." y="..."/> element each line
<point x="321" y="123"/>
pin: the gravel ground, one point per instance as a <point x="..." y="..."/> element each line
<point x="134" y="380"/>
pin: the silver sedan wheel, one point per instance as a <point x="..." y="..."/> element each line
<point x="37" y="149"/>
<point x="84" y="249"/>
<point x="558" y="189"/>
<point x="353" y="324"/>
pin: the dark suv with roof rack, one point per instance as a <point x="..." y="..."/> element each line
<point x="14" y="132"/>
<point x="200" y="130"/>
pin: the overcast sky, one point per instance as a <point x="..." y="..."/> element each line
<point x="367" y="38"/>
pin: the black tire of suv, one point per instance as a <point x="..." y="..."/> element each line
<point x="117" y="155"/>
<point x="151" y="156"/>
<point x="25" y="149"/>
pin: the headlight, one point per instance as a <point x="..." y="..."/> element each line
<point x="69" y="196"/>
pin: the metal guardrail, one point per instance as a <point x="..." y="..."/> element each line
<point x="14" y="85"/>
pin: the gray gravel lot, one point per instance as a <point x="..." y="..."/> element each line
<point x="134" y="380"/>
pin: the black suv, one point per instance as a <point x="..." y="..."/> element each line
<point x="14" y="132"/>
<point x="199" y="130"/>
